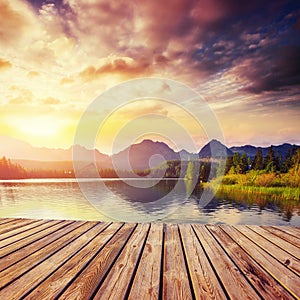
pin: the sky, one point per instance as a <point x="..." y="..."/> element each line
<point x="242" y="57"/>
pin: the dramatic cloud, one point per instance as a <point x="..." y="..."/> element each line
<point x="242" y="57"/>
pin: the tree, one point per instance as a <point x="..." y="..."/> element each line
<point x="236" y="162"/>
<point x="243" y="164"/>
<point x="9" y="170"/>
<point x="190" y="172"/>
<point x="229" y="164"/>
<point x="258" y="160"/>
<point x="270" y="161"/>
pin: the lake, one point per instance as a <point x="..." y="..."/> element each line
<point x="135" y="201"/>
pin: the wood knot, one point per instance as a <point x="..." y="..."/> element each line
<point x="287" y="262"/>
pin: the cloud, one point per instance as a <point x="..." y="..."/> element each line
<point x="14" y="21"/>
<point x="32" y="74"/>
<point x="5" y="64"/>
<point x="278" y="71"/>
<point x="50" y="101"/>
<point x="125" y="66"/>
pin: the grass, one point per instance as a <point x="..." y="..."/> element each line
<point x="254" y="184"/>
<point x="273" y="193"/>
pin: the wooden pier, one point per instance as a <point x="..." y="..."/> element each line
<point x="55" y="259"/>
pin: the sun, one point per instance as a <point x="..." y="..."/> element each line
<point x="43" y="126"/>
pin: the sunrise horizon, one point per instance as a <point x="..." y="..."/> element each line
<point x="59" y="56"/>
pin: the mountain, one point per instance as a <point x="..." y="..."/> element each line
<point x="143" y="155"/>
<point x="250" y="150"/>
<point x="216" y="148"/>
<point x="19" y="150"/>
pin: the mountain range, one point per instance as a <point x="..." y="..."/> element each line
<point x="140" y="156"/>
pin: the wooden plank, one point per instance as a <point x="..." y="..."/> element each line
<point x="284" y="234"/>
<point x="274" y="250"/>
<point x="14" y="224"/>
<point x="35" y="238"/>
<point x="231" y="277"/>
<point x="26" y="234"/>
<point x="63" y="276"/>
<point x="283" y="244"/>
<point x="265" y="284"/>
<point x="80" y="237"/>
<point x="280" y="272"/>
<point x="204" y="280"/>
<point x="6" y="220"/>
<point x="16" y="264"/>
<point x="116" y="284"/>
<point x="175" y="277"/>
<point x="292" y="229"/>
<point x="86" y="283"/>
<point x="147" y="279"/>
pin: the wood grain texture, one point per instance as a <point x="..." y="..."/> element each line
<point x="116" y="283"/>
<point x="283" y="244"/>
<point x="205" y="283"/>
<point x="87" y="282"/>
<point x="272" y="249"/>
<point x="265" y="284"/>
<point x="20" y="286"/>
<point x="175" y="277"/>
<point x="232" y="278"/>
<point x="26" y="234"/>
<point x="146" y="282"/>
<point x="56" y="259"/>
<point x="22" y="229"/>
<point x="32" y="259"/>
<point x="280" y="272"/>
<point x="285" y="233"/>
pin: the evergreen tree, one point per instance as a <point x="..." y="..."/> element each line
<point x="229" y="164"/>
<point x="236" y="163"/>
<point x="258" y="160"/>
<point x="270" y="162"/>
<point x="244" y="164"/>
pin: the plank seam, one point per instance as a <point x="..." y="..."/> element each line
<point x="266" y="238"/>
<point x="36" y="239"/>
<point x="211" y="264"/>
<point x="75" y="253"/>
<point x="262" y="266"/>
<point x="162" y="261"/>
<point x="29" y="234"/>
<point x="186" y="265"/>
<point x="250" y="239"/>
<point x="45" y="258"/>
<point x="112" y="263"/>
<point x="136" y="265"/>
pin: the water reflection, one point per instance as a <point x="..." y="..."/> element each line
<point x="63" y="199"/>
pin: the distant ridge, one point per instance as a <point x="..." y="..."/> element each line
<point x="139" y="154"/>
<point x="250" y="150"/>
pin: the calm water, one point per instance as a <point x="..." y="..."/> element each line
<point x="136" y="200"/>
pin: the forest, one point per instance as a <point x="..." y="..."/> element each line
<point x="269" y="170"/>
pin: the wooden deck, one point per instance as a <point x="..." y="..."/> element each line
<point x="51" y="259"/>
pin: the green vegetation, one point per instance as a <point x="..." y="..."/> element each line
<point x="265" y="176"/>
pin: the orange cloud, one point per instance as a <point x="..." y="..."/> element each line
<point x="5" y="64"/>
<point x="51" y="101"/>
<point x="122" y="66"/>
<point x="12" y="22"/>
<point x="32" y="74"/>
<point x="66" y="80"/>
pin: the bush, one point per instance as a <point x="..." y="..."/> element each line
<point x="230" y="179"/>
<point x="265" y="179"/>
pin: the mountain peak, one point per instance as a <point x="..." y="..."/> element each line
<point x="214" y="148"/>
